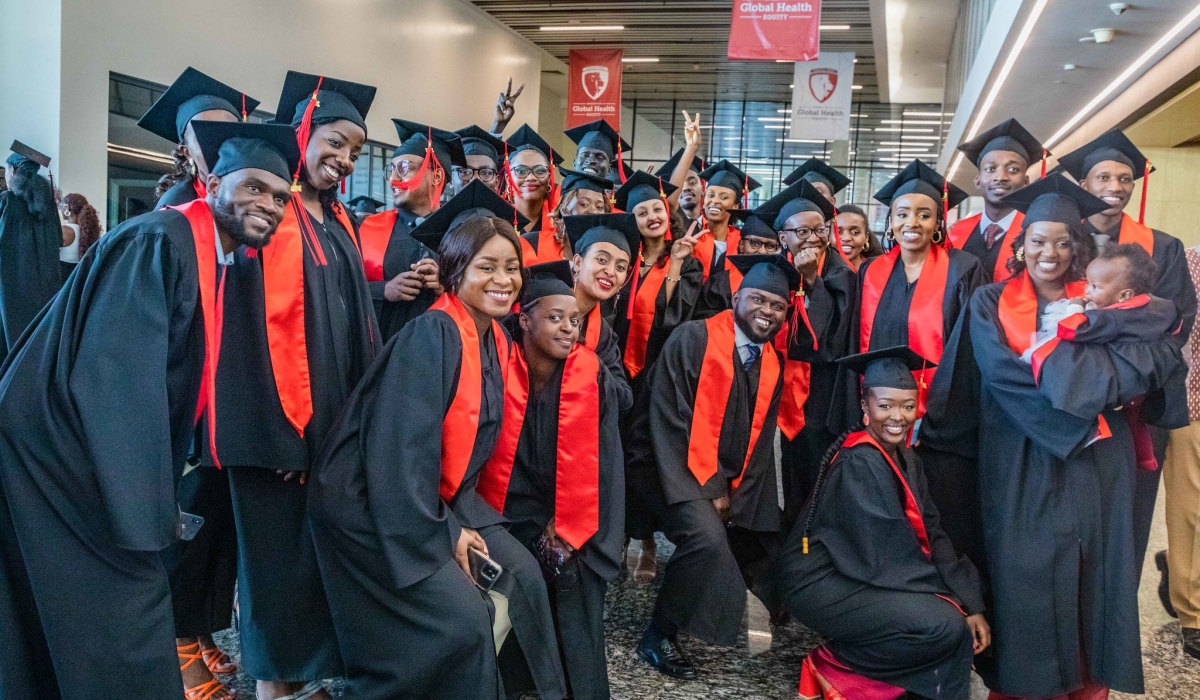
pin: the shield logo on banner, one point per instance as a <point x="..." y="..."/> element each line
<point x="822" y="82"/>
<point x="595" y="81"/>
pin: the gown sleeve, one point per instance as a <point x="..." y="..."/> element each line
<point x="951" y="419"/>
<point x="131" y="303"/>
<point x="1085" y="380"/>
<point x="1175" y="282"/>
<point x="673" y="379"/>
<point x="608" y="349"/>
<point x="957" y="571"/>
<point x="683" y="300"/>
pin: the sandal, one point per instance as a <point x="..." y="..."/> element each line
<point x="211" y="689"/>
<point x="218" y="661"/>
<point x="308" y="691"/>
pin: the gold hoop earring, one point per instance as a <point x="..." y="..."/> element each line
<point x="1020" y="254"/>
<point x="939" y="236"/>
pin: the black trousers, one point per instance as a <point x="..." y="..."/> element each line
<point x="203" y="572"/>
<point x="286" y="630"/>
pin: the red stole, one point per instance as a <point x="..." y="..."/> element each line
<point x="577" y="471"/>
<point x="1133" y="232"/>
<point x="528" y="254"/>
<point x="643" y="302"/>
<point x="283" y="288"/>
<point x="591" y="339"/>
<point x="706" y="249"/>
<point x="925" y="323"/>
<point x="201" y="189"/>
<point x="1018" y="315"/>
<point x="549" y="249"/>
<point x="212" y="305"/>
<point x="375" y="232"/>
<point x="912" y="510"/>
<point x="461" y="422"/>
<point x="712" y="395"/>
<point x="962" y="230"/>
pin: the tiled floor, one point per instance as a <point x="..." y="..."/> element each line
<point x="768" y="669"/>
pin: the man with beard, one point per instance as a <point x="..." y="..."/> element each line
<point x="401" y="272"/>
<point x="600" y="148"/>
<point x="1003" y="155"/>
<point x="482" y="151"/>
<point x="1107" y="168"/>
<point x="683" y="171"/>
<point x="93" y="435"/>
<point x="702" y="455"/>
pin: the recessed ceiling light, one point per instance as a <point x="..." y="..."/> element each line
<point x="908" y="121"/>
<point x="929" y="114"/>
<point x="904" y="129"/>
<point x="773" y="119"/>
<point x="834" y="27"/>
<point x="639" y="60"/>
<point x="856" y="87"/>
<point x="584" y="28"/>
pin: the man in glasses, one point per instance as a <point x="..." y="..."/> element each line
<point x="482" y="150"/>
<point x="402" y="273"/>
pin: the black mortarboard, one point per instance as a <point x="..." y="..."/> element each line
<point x="414" y="137"/>
<point x="547" y="279"/>
<point x="526" y="138"/>
<point x="890" y="368"/>
<point x="1054" y="198"/>
<point x="920" y="178"/>
<point x="338" y="99"/>
<point x="614" y="172"/>
<point x="669" y="167"/>
<point x="770" y="273"/>
<point x="233" y="146"/>
<point x="726" y="174"/>
<point x="26" y="158"/>
<point x="192" y="93"/>
<point x="618" y="229"/>
<point x="364" y="204"/>
<point x="817" y="170"/>
<point x="575" y="180"/>
<point x="797" y="197"/>
<point x="1114" y="145"/>
<point x="1008" y="135"/>
<point x="754" y="226"/>
<point x="641" y="187"/>
<point x="480" y="142"/>
<point x="598" y="135"/>
<point x="475" y="200"/>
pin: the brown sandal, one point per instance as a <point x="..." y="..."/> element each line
<point x="218" y="661"/>
<point x="211" y="689"/>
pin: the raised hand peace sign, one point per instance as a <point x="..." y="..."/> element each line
<point x="682" y="248"/>
<point x="691" y="129"/>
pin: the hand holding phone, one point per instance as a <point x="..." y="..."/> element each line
<point x="484" y="570"/>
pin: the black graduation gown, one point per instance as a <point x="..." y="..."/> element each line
<point x="402" y="252"/>
<point x="866" y="576"/>
<point x="715" y="296"/>
<point x="93" y="437"/>
<point x="578" y="593"/>
<point x="667" y="314"/>
<point x="608" y="349"/>
<point x="180" y="193"/>
<point x="409" y="623"/>
<point x="830" y="304"/>
<point x="727" y="560"/>
<point x="30" y="274"/>
<point x="1057" y="512"/>
<point x="977" y="246"/>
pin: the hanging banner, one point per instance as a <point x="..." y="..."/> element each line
<point x="768" y="31"/>
<point x="594" y="87"/>
<point x="821" y="92"/>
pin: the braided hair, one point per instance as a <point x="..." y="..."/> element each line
<point x="826" y="459"/>
<point x="184" y="171"/>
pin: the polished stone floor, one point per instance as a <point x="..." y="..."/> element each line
<point x="765" y="665"/>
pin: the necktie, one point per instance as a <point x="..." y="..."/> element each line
<point x="991" y="233"/>
<point x="750" y="358"/>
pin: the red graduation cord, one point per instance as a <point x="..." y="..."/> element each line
<point x="1145" y="186"/>
<point x="746" y="193"/>
<point x="620" y="160"/>
<point x="1044" y="154"/>
<point x="244" y="119"/>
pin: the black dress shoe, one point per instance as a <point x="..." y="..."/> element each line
<point x="664" y="653"/>
<point x="1191" y="642"/>
<point x="1164" y="585"/>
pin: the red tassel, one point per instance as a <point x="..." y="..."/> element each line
<point x="343" y="186"/>
<point x="1044" y="154"/>
<point x="302" y="135"/>
<point x="244" y="115"/>
<point x="510" y="183"/>
<point x="746" y="193"/>
<point x="1145" y="186"/>
<point x="620" y="161"/>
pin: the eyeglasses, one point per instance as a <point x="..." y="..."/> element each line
<point x="485" y="174"/>
<point x="402" y="169"/>
<point x="802" y="233"/>
<point x="761" y="245"/>
<point x="541" y="172"/>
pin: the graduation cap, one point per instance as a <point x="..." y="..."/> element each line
<point x="364" y="204"/>
<point x="1114" y="145"/>
<point x="233" y="146"/>
<point x="797" y="197"/>
<point x="337" y="99"/>
<point x="617" y="173"/>
<point x="754" y="226"/>
<point x="1008" y="135"/>
<point x="890" y="368"/>
<point x="547" y="279"/>
<point x="1054" y="198"/>
<point x="576" y="180"/>
<point x="25" y="158"/>
<point x="414" y="138"/>
<point x="480" y="142"/>
<point x="727" y="175"/>
<point x="817" y="170"/>
<point x="618" y="229"/>
<point x="526" y="138"/>
<point x="770" y="273"/>
<point x="192" y="93"/>
<point x="475" y="200"/>
<point x="599" y="135"/>
<point x="920" y="178"/>
<point x="641" y="187"/>
<point x="666" y="170"/>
